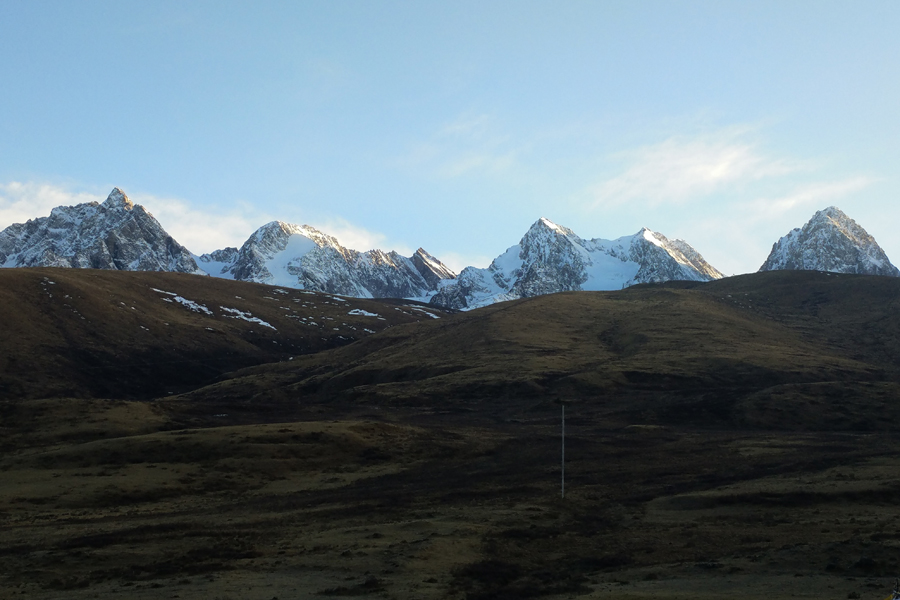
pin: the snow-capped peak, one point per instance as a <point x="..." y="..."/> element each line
<point x="650" y="236"/>
<point x="544" y="221"/>
<point x="301" y="256"/>
<point x="113" y="235"/>
<point x="118" y="199"/>
<point x="431" y="269"/>
<point x="546" y="225"/>
<point x="552" y="258"/>
<point x="830" y="241"/>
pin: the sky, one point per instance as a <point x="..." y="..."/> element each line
<point x="456" y="125"/>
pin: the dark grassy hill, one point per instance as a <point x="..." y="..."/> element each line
<point x="727" y="440"/>
<point x="780" y="349"/>
<point x="90" y="333"/>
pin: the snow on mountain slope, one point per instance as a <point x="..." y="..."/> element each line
<point x="551" y="258"/>
<point x="116" y="234"/>
<point x="830" y="241"/>
<point x="300" y="256"/>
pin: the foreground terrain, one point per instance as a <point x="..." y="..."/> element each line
<point x="731" y="439"/>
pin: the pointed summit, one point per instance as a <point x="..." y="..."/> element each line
<point x="545" y="222"/>
<point x="830" y="241"/>
<point x="118" y="199"/>
<point x="431" y="269"/>
<point x="546" y="225"/>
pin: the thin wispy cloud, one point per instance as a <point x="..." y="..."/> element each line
<point x="812" y="195"/>
<point x="472" y="144"/>
<point x="202" y="231"/>
<point x="477" y="162"/>
<point x="680" y="169"/>
<point x="468" y="126"/>
<point x="358" y="238"/>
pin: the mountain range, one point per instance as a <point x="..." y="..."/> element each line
<point x="299" y="256"/>
<point x="550" y="258"/>
<point x="120" y="235"/>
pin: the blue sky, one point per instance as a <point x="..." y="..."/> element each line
<point x="455" y="125"/>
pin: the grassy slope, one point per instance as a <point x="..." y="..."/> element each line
<point x="108" y="334"/>
<point x="729" y="440"/>
<point x="766" y="350"/>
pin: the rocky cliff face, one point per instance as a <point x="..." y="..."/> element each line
<point x="830" y="241"/>
<point x="116" y="234"/>
<point x="551" y="258"/>
<point x="300" y="256"/>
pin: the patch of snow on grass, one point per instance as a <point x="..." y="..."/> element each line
<point x="190" y="304"/>
<point x="430" y="314"/>
<point x="363" y="313"/>
<point x="246" y="316"/>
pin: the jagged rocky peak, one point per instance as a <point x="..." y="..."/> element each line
<point x="116" y="234"/>
<point x="303" y="257"/>
<point x="118" y="199"/>
<point x="279" y="232"/>
<point x="551" y="258"/>
<point x="676" y="259"/>
<point x="830" y="241"/>
<point x="431" y="269"/>
<point x="224" y="255"/>
<point x="544" y="234"/>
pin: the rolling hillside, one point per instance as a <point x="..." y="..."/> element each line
<point x="723" y="439"/>
<point x="763" y="350"/>
<point x="94" y="333"/>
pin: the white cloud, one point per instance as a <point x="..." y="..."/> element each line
<point x="681" y="168"/>
<point x="358" y="238"/>
<point x="20" y="201"/>
<point x="201" y="230"/>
